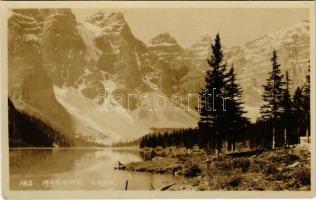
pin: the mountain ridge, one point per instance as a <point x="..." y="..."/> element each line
<point x="101" y="56"/>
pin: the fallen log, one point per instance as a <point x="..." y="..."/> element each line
<point x="167" y="187"/>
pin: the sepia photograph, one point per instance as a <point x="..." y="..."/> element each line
<point x="194" y="98"/>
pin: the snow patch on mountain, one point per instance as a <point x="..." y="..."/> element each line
<point x="89" y="33"/>
<point x="252" y="60"/>
<point x="113" y="122"/>
<point x="122" y="64"/>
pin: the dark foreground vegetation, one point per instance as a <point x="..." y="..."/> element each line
<point x="29" y="131"/>
<point x="286" y="169"/>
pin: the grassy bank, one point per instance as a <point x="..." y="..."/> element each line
<point x="286" y="169"/>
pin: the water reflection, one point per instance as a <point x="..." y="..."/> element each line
<point x="75" y="169"/>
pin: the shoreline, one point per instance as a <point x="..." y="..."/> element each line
<point x="282" y="169"/>
<point x="87" y="148"/>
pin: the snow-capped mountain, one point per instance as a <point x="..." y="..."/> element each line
<point x="252" y="62"/>
<point x="71" y="64"/>
<point x="123" y="68"/>
<point x="201" y="48"/>
<point x="165" y="47"/>
<point x="101" y="56"/>
<point x="30" y="87"/>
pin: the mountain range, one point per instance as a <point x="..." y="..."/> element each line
<point x="59" y="66"/>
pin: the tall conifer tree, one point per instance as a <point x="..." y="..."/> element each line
<point x="235" y="121"/>
<point x="299" y="114"/>
<point x="306" y="103"/>
<point x="288" y="112"/>
<point x="212" y="106"/>
<point x="272" y="108"/>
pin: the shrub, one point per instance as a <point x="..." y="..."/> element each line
<point x="192" y="170"/>
<point x="158" y="151"/>
<point x="231" y="164"/>
<point x="284" y="158"/>
<point x="269" y="169"/>
<point x="230" y="182"/>
<point x="290" y="158"/>
<point x="233" y="182"/>
<point x="303" y="176"/>
<point x="242" y="163"/>
<point x="258" y="165"/>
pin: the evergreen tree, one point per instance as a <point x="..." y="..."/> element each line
<point x="212" y="112"/>
<point x="306" y="103"/>
<point x="272" y="108"/>
<point x="287" y="114"/>
<point x="299" y="114"/>
<point x="235" y="121"/>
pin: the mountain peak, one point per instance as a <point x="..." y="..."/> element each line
<point x="165" y="47"/>
<point x="204" y="40"/>
<point x="116" y="16"/>
<point x="201" y="47"/>
<point x="103" y="19"/>
<point x="163" y="39"/>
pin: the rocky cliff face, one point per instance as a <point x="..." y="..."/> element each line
<point x="123" y="58"/>
<point x="201" y="47"/>
<point x="101" y="56"/>
<point x="252" y="62"/>
<point x="62" y="47"/>
<point x="68" y="63"/>
<point x="165" y="47"/>
<point x="30" y="87"/>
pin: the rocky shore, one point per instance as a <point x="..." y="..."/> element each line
<point x="284" y="169"/>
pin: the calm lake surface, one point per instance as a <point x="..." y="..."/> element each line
<point x="81" y="169"/>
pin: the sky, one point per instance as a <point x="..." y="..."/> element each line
<point x="235" y="25"/>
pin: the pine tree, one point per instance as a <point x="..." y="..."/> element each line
<point x="212" y="112"/>
<point x="235" y="121"/>
<point x="306" y="103"/>
<point x="287" y="114"/>
<point x="299" y="114"/>
<point x="272" y="109"/>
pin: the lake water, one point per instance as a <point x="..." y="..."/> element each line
<point x="79" y="169"/>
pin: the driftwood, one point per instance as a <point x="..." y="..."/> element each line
<point x="126" y="184"/>
<point x="293" y="165"/>
<point x="167" y="187"/>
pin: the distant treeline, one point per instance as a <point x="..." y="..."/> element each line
<point x="180" y="137"/>
<point x="126" y="143"/>
<point x="284" y="118"/>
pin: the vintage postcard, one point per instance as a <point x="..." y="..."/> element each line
<point x="157" y="99"/>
